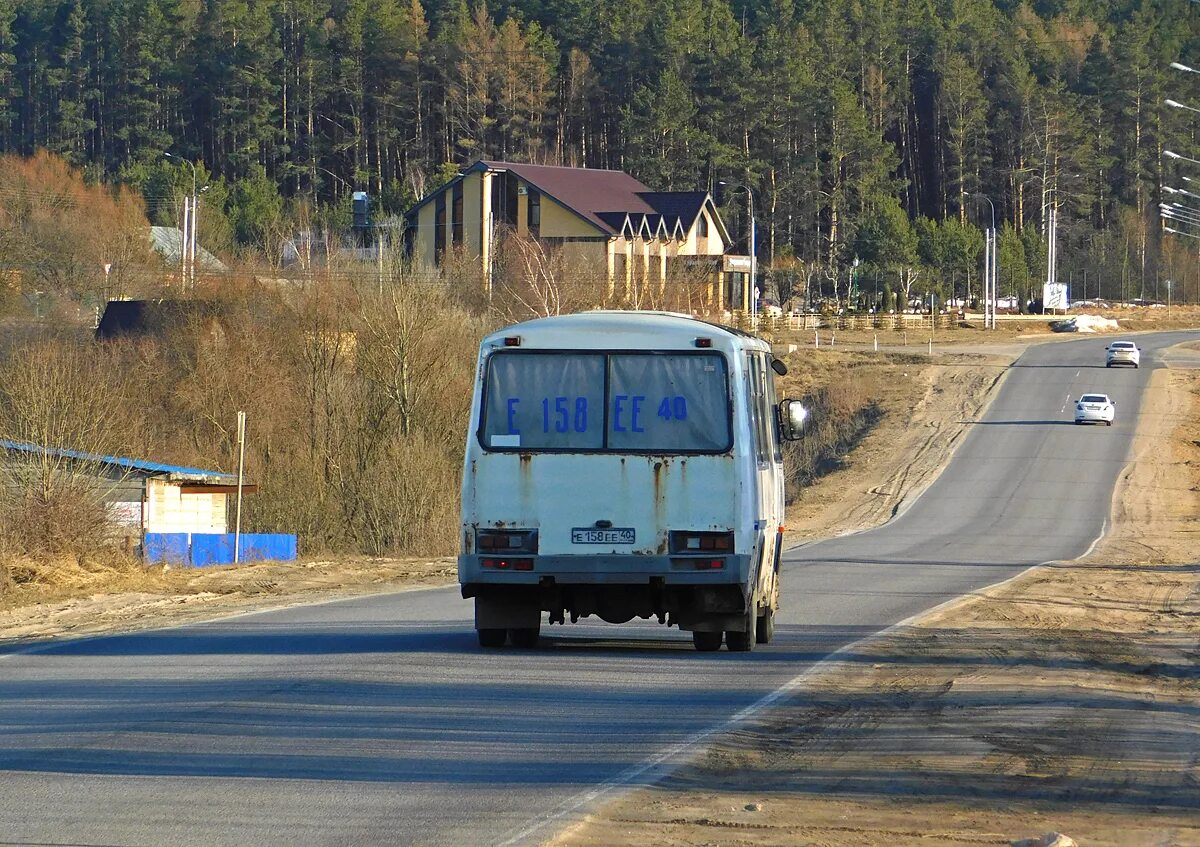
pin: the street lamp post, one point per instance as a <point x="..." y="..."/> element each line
<point x="1178" y="210"/>
<point x="753" y="250"/>
<point x="188" y="236"/>
<point x="1182" y="191"/>
<point x="1175" y="104"/>
<point x="991" y="255"/>
<point x="1180" y="232"/>
<point x="1170" y="154"/>
<point x="817" y="237"/>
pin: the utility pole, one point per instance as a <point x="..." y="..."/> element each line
<point x="192" y="247"/>
<point x="237" y="526"/>
<point x="183" y="242"/>
<point x="379" y="254"/>
<point x="187" y="242"/>
<point x="721" y="185"/>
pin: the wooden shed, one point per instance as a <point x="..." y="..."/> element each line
<point x="140" y="496"/>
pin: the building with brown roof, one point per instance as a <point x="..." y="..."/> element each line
<point x="606" y="216"/>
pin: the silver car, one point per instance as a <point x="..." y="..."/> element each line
<point x="1095" y="408"/>
<point x="1123" y="353"/>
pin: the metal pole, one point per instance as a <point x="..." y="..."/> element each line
<point x="995" y="280"/>
<point x="183" y="250"/>
<point x="379" y="255"/>
<point x="987" y="276"/>
<point x="989" y="283"/>
<point x="995" y="274"/>
<point x="753" y="261"/>
<point x="237" y="526"/>
<point x="195" y="226"/>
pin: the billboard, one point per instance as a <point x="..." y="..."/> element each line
<point x="1054" y="296"/>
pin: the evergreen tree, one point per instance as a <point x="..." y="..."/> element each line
<point x="8" y="89"/>
<point x="69" y="83"/>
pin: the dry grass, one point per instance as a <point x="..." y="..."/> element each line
<point x="28" y="579"/>
<point x="847" y="395"/>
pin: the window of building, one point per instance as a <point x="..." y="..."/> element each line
<point x="533" y="216"/>
<point x="702" y="225"/>
<point x="439" y="228"/>
<point x="504" y="199"/>
<point x="456" y="214"/>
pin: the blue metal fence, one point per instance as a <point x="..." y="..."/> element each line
<point x="201" y="549"/>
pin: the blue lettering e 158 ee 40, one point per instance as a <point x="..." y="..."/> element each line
<point x="512" y="415"/>
<point x="618" y="407"/>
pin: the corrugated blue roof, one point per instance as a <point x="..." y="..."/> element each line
<point x="175" y="472"/>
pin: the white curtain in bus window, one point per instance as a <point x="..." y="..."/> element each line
<point x="668" y="403"/>
<point x="548" y="401"/>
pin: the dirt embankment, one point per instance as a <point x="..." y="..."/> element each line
<point x="1065" y="700"/>
<point x="74" y="600"/>
<point x="929" y="407"/>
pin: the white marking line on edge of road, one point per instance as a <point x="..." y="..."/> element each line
<point x="671" y="758"/>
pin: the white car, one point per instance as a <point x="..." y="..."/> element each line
<point x="1095" y="408"/>
<point x="1123" y="353"/>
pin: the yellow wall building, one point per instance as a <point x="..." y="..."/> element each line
<point x="603" y="216"/>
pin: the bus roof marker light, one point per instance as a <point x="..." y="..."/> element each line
<point x="512" y="341"/>
<point x="704" y="342"/>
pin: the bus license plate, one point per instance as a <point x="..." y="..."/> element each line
<point x="583" y="535"/>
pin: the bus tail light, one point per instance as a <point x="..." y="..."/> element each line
<point x="507" y="564"/>
<point x="506" y="541"/>
<point x="697" y="564"/>
<point x="688" y="542"/>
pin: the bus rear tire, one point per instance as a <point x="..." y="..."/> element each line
<point x="707" y="642"/>
<point x="524" y="637"/>
<point x="492" y="637"/>
<point x="742" y="641"/>
<point x="764" y="630"/>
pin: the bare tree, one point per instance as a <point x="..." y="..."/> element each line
<point x="61" y="407"/>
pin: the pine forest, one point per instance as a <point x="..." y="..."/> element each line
<point x="874" y="134"/>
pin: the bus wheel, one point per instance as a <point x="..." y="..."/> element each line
<point x="706" y="642"/>
<point x="524" y="637"/>
<point x="492" y="637"/>
<point x="743" y="641"/>
<point x="764" y="631"/>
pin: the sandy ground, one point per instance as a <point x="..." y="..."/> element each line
<point x="100" y="600"/>
<point x="1066" y="700"/>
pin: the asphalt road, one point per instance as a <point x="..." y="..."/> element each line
<point x="379" y="720"/>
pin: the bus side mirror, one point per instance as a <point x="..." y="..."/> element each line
<point x="792" y="416"/>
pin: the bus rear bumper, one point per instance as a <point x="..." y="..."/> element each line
<point x="604" y="570"/>
<point x="614" y="588"/>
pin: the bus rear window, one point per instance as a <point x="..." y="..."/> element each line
<point x="618" y="402"/>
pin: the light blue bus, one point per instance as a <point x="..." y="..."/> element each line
<point x="625" y="465"/>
